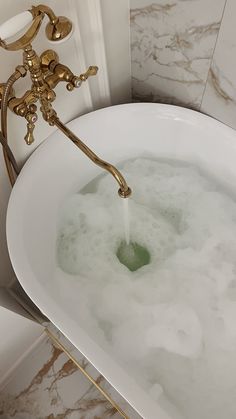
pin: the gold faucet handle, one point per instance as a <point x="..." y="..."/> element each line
<point x="92" y="71"/>
<point x="31" y="118"/>
<point x="75" y="82"/>
<point x="78" y="80"/>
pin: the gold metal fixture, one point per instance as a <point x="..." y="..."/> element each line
<point x="124" y="190"/>
<point x="7" y="93"/>
<point x="57" y="29"/>
<point x="46" y="72"/>
<point x="50" y="62"/>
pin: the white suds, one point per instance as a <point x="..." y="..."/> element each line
<point x="171" y="323"/>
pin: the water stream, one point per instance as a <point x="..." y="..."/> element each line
<point x="126" y="219"/>
<point x="131" y="254"/>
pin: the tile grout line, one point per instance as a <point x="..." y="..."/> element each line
<point x="88" y="376"/>
<point x="213" y="52"/>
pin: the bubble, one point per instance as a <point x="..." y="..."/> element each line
<point x="164" y="308"/>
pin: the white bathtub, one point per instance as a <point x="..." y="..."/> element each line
<point x="57" y="169"/>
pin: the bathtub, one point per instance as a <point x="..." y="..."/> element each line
<point x="57" y="169"/>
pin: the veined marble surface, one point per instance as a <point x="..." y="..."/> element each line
<point x="220" y="96"/>
<point x="91" y="370"/>
<point x="172" y="43"/>
<point x="48" y="385"/>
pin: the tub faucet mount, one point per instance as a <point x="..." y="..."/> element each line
<point x="46" y="72"/>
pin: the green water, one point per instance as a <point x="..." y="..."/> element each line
<point x="133" y="256"/>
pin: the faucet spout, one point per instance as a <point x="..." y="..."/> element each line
<point x="124" y="190"/>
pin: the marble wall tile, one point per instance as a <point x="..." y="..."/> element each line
<point x="219" y="99"/>
<point x="172" y="43"/>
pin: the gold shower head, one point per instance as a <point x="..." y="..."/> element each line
<point x="58" y="30"/>
<point x="58" y="27"/>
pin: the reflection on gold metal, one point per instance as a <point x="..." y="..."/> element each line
<point x="29" y="137"/>
<point x="7" y="94"/>
<point x="58" y="28"/>
<point x="10" y="162"/>
<point x="88" y="376"/>
<point x="11" y="92"/>
<point x="124" y="190"/>
<point x="92" y="71"/>
<point x="46" y="72"/>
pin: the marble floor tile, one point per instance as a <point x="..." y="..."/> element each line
<point x="219" y="99"/>
<point x="172" y="43"/>
<point x="48" y="385"/>
<point x="91" y="370"/>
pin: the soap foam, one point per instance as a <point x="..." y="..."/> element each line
<point x="171" y="323"/>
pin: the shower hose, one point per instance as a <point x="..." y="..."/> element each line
<point x="10" y="162"/>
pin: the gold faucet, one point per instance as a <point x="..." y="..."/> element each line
<point x="46" y="72"/>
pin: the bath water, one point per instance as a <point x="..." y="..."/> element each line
<point x="171" y="323"/>
<point x="130" y="254"/>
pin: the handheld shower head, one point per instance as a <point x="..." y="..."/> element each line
<point x="58" y="27"/>
<point x="59" y="30"/>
